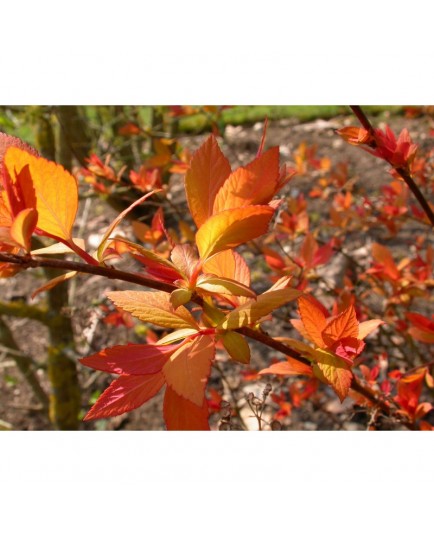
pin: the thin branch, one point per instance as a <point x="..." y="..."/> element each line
<point x="111" y="273"/>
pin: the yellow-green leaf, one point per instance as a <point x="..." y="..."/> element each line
<point x="177" y="335"/>
<point x="179" y="297"/>
<point x="223" y="285"/>
<point x="252" y="311"/>
<point x="236" y="346"/>
<point x="58" y="248"/>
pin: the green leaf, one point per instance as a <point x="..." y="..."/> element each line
<point x="236" y="346"/>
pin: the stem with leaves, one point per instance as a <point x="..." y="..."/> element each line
<point x="402" y="172"/>
<point x="28" y="261"/>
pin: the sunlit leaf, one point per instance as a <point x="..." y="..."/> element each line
<point x="55" y="189"/>
<point x="228" y="264"/>
<point x="253" y="310"/>
<point x="209" y="168"/>
<point x="177" y="335"/>
<point x="223" y="285"/>
<point x="23" y="226"/>
<point x="154" y="307"/>
<point x="382" y="255"/>
<point x="231" y="228"/>
<point x="254" y="184"/>
<point x="59" y="248"/>
<point x="155" y="264"/>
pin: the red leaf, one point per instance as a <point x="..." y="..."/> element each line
<point x="135" y="359"/>
<point x="125" y="394"/>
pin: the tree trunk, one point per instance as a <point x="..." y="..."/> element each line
<point x="65" y="396"/>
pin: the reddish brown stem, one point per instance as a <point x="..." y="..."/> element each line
<point x="402" y="172"/>
<point x="111" y="273"/>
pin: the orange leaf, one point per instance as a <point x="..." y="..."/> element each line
<point x="313" y="318"/>
<point x="228" y="264"/>
<point x="254" y="184"/>
<point x="266" y="168"/>
<point x="154" y="307"/>
<point x="181" y="414"/>
<point x="308" y="250"/>
<point x="231" y="228"/>
<point x="209" y="169"/>
<point x="291" y="367"/>
<point x="188" y="368"/>
<point x="343" y="325"/>
<point x="55" y="188"/>
<point x="355" y="135"/>
<point x="23" y="226"/>
<point x="125" y="394"/>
